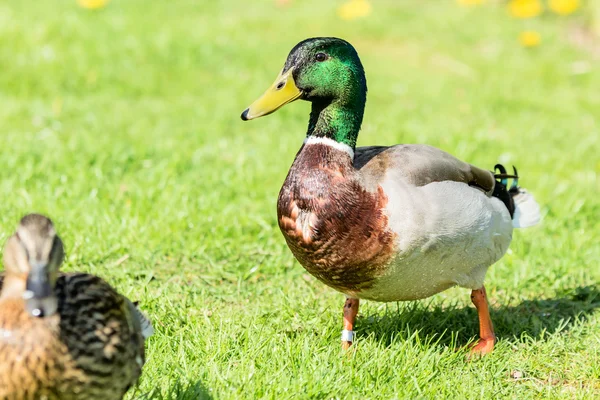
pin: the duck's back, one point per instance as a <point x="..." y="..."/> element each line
<point x="102" y="333"/>
<point x="100" y="344"/>
<point x="419" y="165"/>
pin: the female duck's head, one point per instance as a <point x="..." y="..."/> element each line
<point x="33" y="255"/>
<point x="328" y="73"/>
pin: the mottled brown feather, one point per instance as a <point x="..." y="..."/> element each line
<point x="91" y="349"/>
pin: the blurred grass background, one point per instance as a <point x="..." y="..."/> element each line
<point x="122" y="124"/>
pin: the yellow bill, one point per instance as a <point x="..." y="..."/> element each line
<point x="281" y="92"/>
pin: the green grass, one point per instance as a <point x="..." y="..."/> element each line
<point x="123" y="125"/>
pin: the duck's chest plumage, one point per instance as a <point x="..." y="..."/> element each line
<point x="336" y="229"/>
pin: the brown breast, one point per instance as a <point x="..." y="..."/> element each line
<point x="33" y="358"/>
<point x="335" y="227"/>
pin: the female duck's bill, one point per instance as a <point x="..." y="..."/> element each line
<point x="34" y="253"/>
<point x="39" y="297"/>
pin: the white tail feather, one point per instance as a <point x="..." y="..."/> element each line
<point x="145" y="325"/>
<point x="527" y="210"/>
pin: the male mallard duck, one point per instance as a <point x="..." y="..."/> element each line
<point x="67" y="336"/>
<point x="384" y="223"/>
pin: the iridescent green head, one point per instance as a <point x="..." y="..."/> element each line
<point x="328" y="73"/>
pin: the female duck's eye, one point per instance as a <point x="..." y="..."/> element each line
<point x="321" y="57"/>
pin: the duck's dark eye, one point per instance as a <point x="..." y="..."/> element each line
<point x="321" y="57"/>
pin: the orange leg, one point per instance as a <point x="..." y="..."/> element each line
<point x="487" y="338"/>
<point x="350" y="311"/>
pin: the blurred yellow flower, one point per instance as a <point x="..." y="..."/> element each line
<point x="529" y="38"/>
<point x="354" y="9"/>
<point x="525" y="8"/>
<point x="467" y="3"/>
<point x="92" y="4"/>
<point x="563" y="7"/>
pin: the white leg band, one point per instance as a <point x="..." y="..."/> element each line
<point x="347" y="336"/>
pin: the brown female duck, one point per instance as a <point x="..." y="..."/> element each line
<point x="63" y="336"/>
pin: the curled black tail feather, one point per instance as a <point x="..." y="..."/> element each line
<point x="501" y="190"/>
